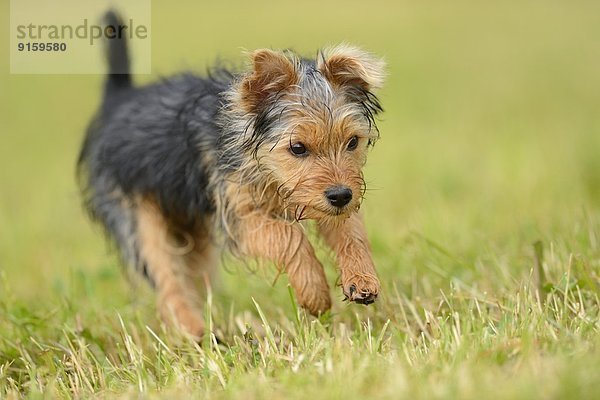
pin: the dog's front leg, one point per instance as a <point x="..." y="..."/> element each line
<point x="286" y="245"/>
<point x="349" y="241"/>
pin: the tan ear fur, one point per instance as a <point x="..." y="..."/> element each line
<point x="345" y="65"/>
<point x="271" y="72"/>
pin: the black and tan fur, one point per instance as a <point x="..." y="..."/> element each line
<point x="179" y="169"/>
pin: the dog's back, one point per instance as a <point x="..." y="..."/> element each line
<point x="148" y="142"/>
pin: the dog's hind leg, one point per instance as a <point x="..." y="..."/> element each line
<point x="167" y="265"/>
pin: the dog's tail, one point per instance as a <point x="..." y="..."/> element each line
<point x="119" y="76"/>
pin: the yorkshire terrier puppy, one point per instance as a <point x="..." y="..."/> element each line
<point x="179" y="169"/>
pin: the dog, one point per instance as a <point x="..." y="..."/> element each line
<point x="177" y="170"/>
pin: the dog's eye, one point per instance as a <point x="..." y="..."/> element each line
<point x="298" y="149"/>
<point x="353" y="143"/>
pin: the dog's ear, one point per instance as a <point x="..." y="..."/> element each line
<point x="271" y="73"/>
<point x="349" y="66"/>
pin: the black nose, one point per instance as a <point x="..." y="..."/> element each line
<point x="339" y="196"/>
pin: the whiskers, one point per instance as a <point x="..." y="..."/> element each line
<point x="284" y="195"/>
<point x="299" y="216"/>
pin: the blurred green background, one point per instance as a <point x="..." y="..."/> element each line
<point x="490" y="139"/>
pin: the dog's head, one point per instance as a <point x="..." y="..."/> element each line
<point x="309" y="126"/>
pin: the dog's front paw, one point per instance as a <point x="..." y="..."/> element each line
<point x="310" y="286"/>
<point x="315" y="299"/>
<point x="318" y="305"/>
<point x="362" y="289"/>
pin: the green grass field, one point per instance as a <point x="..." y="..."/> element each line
<point x="483" y="212"/>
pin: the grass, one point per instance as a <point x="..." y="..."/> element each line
<point x="484" y="216"/>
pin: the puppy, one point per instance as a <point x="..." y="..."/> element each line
<point x="179" y="169"/>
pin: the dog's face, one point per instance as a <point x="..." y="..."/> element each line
<point x="317" y="163"/>
<point x="313" y="126"/>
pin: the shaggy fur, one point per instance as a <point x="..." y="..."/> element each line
<point x="180" y="168"/>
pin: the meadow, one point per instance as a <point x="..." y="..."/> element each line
<point x="483" y="211"/>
